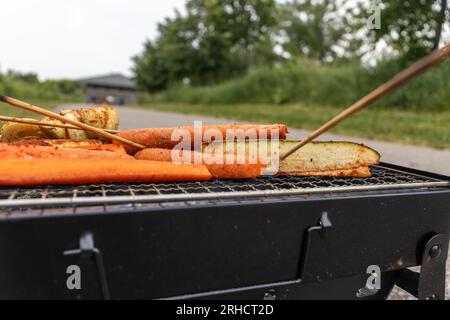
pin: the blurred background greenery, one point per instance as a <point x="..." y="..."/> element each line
<point x="297" y="62"/>
<point x="28" y="87"/>
<point x="321" y="52"/>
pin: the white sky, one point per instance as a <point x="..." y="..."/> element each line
<point x="77" y="38"/>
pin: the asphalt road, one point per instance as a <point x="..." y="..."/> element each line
<point x="422" y="158"/>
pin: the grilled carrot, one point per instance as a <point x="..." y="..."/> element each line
<point x="77" y="144"/>
<point x="238" y="168"/>
<point x="45" y="171"/>
<point x="14" y="151"/>
<point x="160" y="154"/>
<point x="163" y="137"/>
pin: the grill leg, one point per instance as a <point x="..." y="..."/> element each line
<point x="88" y="249"/>
<point x="429" y="284"/>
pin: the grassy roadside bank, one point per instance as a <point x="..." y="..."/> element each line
<point x="10" y="111"/>
<point x="47" y="94"/>
<point x="310" y="83"/>
<point x="427" y="129"/>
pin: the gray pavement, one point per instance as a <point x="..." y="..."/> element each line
<point x="411" y="156"/>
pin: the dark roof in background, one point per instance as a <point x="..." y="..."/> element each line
<point x="114" y="80"/>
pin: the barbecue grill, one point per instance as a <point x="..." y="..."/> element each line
<point x="266" y="238"/>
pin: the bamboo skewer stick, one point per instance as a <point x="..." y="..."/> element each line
<point x="419" y="67"/>
<point x="100" y="132"/>
<point x="45" y="124"/>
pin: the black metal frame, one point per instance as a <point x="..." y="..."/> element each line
<point x="38" y="199"/>
<point x="88" y="250"/>
<point x="429" y="283"/>
<point x="297" y="247"/>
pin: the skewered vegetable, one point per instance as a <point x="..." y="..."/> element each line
<point x="317" y="158"/>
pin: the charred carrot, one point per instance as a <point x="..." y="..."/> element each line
<point x="160" y="154"/>
<point x="238" y="168"/>
<point x="44" y="171"/>
<point x="14" y="151"/>
<point x="76" y="144"/>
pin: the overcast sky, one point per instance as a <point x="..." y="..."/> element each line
<point x="77" y="38"/>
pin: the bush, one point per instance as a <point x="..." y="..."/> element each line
<point x="312" y="83"/>
<point x="51" y="90"/>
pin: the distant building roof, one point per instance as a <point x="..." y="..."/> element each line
<point x="113" y="80"/>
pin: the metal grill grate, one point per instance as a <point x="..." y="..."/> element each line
<point x="383" y="178"/>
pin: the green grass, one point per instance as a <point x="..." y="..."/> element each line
<point x="47" y="94"/>
<point x="310" y="83"/>
<point x="428" y="129"/>
<point x="9" y="111"/>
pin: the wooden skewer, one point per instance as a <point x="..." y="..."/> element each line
<point x="100" y="132"/>
<point x="41" y="123"/>
<point x="419" y="67"/>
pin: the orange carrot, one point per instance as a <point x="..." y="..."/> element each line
<point x="238" y="169"/>
<point x="162" y="137"/>
<point x="14" y="151"/>
<point x="36" y="172"/>
<point x="160" y="154"/>
<point x="77" y="144"/>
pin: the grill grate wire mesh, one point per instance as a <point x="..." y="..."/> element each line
<point x="132" y="193"/>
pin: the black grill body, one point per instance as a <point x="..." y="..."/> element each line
<point x="301" y="246"/>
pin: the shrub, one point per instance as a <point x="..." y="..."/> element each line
<point x="312" y="83"/>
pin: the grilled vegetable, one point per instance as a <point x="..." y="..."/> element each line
<point x="167" y="138"/>
<point x="53" y="132"/>
<point x="237" y="169"/>
<point x="74" y="134"/>
<point x="15" y="151"/>
<point x="317" y="158"/>
<point x="80" y="144"/>
<point x="12" y="131"/>
<point x="360" y="172"/>
<point x="102" y="117"/>
<point x="35" y="172"/>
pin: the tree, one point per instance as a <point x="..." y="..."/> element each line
<point x="170" y="57"/>
<point x="322" y="30"/>
<point x="245" y="24"/>
<point x="149" y="70"/>
<point x="411" y="28"/>
<point x="28" y="77"/>
<point x="440" y="20"/>
<point x="182" y="51"/>
<point x="213" y="41"/>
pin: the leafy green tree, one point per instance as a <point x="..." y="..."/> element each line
<point x="245" y="24"/>
<point x="321" y="30"/>
<point x="442" y="16"/>
<point x="169" y="57"/>
<point x="412" y="28"/>
<point x="213" y="41"/>
<point x="28" y="77"/>
<point x="149" y="69"/>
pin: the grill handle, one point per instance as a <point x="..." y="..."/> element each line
<point x="322" y="228"/>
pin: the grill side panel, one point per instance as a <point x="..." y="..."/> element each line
<point x="174" y="252"/>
